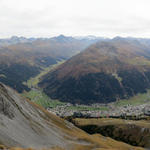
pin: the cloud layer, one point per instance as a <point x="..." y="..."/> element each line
<point x="46" y="18"/>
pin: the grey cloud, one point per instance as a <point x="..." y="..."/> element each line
<point x="45" y="17"/>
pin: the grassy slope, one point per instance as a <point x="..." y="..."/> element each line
<point x="33" y="82"/>
<point x="36" y="94"/>
<point x="41" y="98"/>
<point x="110" y="121"/>
<point x="135" y="100"/>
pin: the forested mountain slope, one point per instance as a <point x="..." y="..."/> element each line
<point x="104" y="72"/>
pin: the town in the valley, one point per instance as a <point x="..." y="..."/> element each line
<point x="138" y="112"/>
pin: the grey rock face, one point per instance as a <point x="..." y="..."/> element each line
<point x="5" y="107"/>
<point x="23" y="124"/>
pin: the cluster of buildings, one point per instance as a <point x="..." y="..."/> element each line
<point x="112" y="111"/>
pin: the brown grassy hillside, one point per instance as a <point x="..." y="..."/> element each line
<point x="133" y="132"/>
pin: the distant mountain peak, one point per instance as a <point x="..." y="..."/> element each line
<point x="61" y="36"/>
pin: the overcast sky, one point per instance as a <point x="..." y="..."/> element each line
<point x="46" y="18"/>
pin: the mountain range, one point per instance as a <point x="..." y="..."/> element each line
<point x="22" y="58"/>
